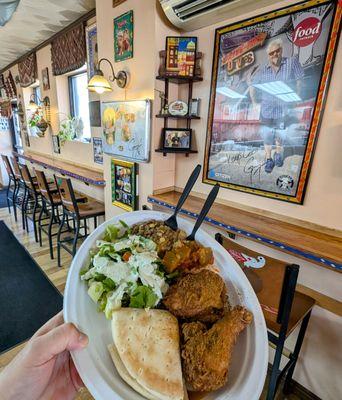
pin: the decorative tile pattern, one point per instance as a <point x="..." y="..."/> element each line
<point x="279" y="245"/>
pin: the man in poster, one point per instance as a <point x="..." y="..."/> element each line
<point x="274" y="118"/>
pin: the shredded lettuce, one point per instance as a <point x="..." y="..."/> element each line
<point x="143" y="297"/>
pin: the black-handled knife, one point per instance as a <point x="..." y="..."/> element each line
<point x="205" y="209"/>
<point x="172" y="221"/>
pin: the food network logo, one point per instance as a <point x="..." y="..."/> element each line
<point x="307" y="32"/>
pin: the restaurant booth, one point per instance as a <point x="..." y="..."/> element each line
<point x="225" y="114"/>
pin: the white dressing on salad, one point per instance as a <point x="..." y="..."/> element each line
<point x="124" y="269"/>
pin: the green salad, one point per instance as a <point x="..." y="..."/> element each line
<point x="124" y="271"/>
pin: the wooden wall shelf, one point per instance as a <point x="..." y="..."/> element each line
<point x="175" y="151"/>
<point x="322" y="247"/>
<point x="88" y="176"/>
<point x="180" y="79"/>
<point x="177" y="116"/>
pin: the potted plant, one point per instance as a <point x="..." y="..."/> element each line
<point x="70" y="129"/>
<point x="39" y="122"/>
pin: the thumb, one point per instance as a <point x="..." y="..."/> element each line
<point x="59" y="339"/>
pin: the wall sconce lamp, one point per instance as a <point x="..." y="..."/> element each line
<point x="99" y="84"/>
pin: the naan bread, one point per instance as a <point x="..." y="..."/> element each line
<point x="147" y="342"/>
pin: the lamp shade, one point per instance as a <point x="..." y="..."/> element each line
<point x="99" y="84"/>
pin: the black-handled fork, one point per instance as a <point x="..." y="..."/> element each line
<point x="205" y="209"/>
<point x="172" y="221"/>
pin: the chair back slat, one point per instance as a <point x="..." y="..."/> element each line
<point x="273" y="281"/>
<point x="43" y="185"/>
<point x="16" y="168"/>
<point x="67" y="194"/>
<point x="27" y="178"/>
<point x="8" y="166"/>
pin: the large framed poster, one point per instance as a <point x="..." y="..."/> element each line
<point x="269" y="80"/>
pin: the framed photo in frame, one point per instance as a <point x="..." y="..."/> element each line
<point x="194" y="107"/>
<point x="124" y="189"/>
<point x="123" y="36"/>
<point x="180" y="56"/>
<point x="45" y="78"/>
<point x="176" y="138"/>
<point x="95" y="113"/>
<point x="270" y="77"/>
<point x="56" y="144"/>
<point x="92" y="50"/>
<point x="126" y="129"/>
<point x="98" y="150"/>
<point x="117" y="2"/>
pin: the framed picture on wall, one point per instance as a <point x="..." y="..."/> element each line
<point x="95" y="113"/>
<point x="126" y="129"/>
<point x="180" y="56"/>
<point x="98" y="150"/>
<point x="124" y="190"/>
<point x="56" y="144"/>
<point x="177" y="138"/>
<point x="123" y="36"/>
<point x="45" y="78"/>
<point x="117" y="2"/>
<point x="270" y="78"/>
<point x="92" y="51"/>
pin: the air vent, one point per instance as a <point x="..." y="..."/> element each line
<point x="192" y="8"/>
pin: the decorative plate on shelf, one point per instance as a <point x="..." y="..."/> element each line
<point x="178" y="107"/>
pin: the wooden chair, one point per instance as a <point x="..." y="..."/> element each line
<point x="274" y="283"/>
<point x="32" y="192"/>
<point x="12" y="186"/>
<point x="19" y="198"/>
<point x="51" y="201"/>
<point x="78" y="211"/>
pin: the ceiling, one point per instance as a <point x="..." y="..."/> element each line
<point x="33" y="22"/>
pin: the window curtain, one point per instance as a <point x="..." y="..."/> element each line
<point x="68" y="51"/>
<point x="28" y="70"/>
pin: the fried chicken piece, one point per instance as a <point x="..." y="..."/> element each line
<point x="199" y="296"/>
<point x="206" y="354"/>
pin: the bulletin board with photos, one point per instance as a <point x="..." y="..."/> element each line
<point x="269" y="83"/>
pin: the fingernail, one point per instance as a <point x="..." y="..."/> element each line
<point x="83" y="339"/>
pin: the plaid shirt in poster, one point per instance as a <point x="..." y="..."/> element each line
<point x="289" y="71"/>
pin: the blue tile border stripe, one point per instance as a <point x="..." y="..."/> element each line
<point x="281" y="246"/>
<point x="64" y="172"/>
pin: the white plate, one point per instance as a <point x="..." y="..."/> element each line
<point x="248" y="368"/>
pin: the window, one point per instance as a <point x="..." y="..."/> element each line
<point x="79" y="101"/>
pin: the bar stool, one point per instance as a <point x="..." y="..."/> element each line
<point x="11" y="191"/>
<point x="274" y="283"/>
<point x="32" y="194"/>
<point x="51" y="202"/>
<point x="79" y="212"/>
<point x="19" y="199"/>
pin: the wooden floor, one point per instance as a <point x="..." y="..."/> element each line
<point x="56" y="275"/>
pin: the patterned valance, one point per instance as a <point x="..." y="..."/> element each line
<point x="68" y="51"/>
<point x="28" y="70"/>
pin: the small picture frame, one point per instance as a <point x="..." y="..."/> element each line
<point x="45" y="78"/>
<point x="98" y="150"/>
<point x="124" y="188"/>
<point x="92" y="49"/>
<point x="123" y="36"/>
<point x="180" y="56"/>
<point x="194" y="107"/>
<point x="178" y="139"/>
<point x="56" y="144"/>
<point x="95" y="113"/>
<point x="117" y="2"/>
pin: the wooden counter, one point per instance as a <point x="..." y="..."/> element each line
<point x="86" y="175"/>
<point x="320" y="246"/>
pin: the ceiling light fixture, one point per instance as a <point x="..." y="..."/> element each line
<point x="99" y="84"/>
